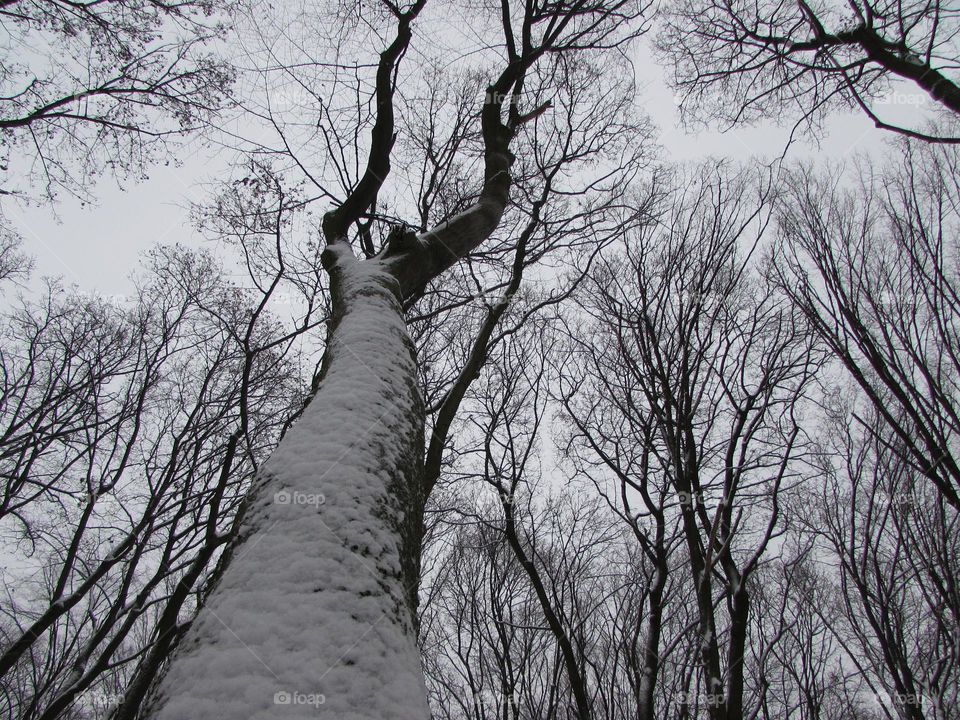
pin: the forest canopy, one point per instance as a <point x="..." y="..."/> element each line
<point x="454" y="395"/>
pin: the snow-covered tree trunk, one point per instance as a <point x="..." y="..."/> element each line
<point x="315" y="605"/>
<point x="316" y="608"/>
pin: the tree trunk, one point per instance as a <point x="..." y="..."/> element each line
<point x="315" y="610"/>
<point x="646" y="695"/>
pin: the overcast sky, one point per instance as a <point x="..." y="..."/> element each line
<point x="97" y="247"/>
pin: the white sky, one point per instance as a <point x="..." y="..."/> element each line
<point x="97" y="247"/>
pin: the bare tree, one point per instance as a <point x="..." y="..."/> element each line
<point x="208" y="522"/>
<point x="91" y="87"/>
<point x="870" y="266"/>
<point x="328" y="597"/>
<point x="893" y="538"/>
<point x="741" y="61"/>
<point x="795" y="666"/>
<point x="872" y="271"/>
<point x="131" y="430"/>
<point x="487" y="651"/>
<point x="14" y="265"/>
<point x="684" y="387"/>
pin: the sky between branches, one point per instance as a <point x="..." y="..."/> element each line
<point x="97" y="247"/>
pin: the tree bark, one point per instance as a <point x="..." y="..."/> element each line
<point x="315" y="609"/>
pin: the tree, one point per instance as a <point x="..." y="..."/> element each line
<point x="91" y="89"/>
<point x="132" y="427"/>
<point x="871" y="270"/>
<point x="684" y="388"/>
<point x="112" y="473"/>
<point x="490" y="650"/>
<point x="221" y="525"/>
<point x="737" y="62"/>
<point x="893" y="538"/>
<point x="328" y="596"/>
<point x="97" y="87"/>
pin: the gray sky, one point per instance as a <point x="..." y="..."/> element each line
<point x="97" y="247"/>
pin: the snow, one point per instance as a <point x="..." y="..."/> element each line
<point x="310" y="619"/>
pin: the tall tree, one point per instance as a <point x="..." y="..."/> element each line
<point x="683" y="384"/>
<point x="90" y="88"/>
<point x="872" y="270"/>
<point x="893" y="539"/>
<point x="129" y="430"/>
<point x="741" y="61"/>
<point x="324" y="592"/>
